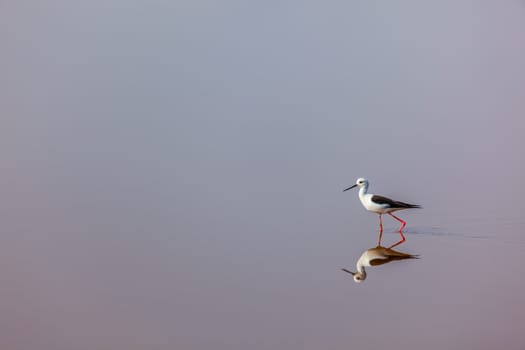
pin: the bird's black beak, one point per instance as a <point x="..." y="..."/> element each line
<point x="349" y="188"/>
<point x="350" y="272"/>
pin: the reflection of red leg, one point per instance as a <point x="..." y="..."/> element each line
<point x="403" y="224"/>
<point x="398" y="243"/>
<point x="380" y="230"/>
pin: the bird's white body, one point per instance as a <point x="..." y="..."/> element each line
<point x="370" y="205"/>
<point x="366" y="200"/>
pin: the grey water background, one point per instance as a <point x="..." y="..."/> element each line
<point x="172" y="174"/>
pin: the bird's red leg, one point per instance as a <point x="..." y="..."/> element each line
<point x="380" y="230"/>
<point x="403" y="224"/>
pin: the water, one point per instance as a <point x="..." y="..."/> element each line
<point x="172" y="175"/>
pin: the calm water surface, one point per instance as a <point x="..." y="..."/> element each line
<point x="172" y="174"/>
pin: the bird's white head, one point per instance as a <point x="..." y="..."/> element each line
<point x="361" y="182"/>
<point x="359" y="276"/>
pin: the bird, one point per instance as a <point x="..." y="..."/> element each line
<point x="381" y="205"/>
<point x="375" y="257"/>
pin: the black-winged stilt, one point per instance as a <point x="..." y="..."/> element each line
<point x="381" y="205"/>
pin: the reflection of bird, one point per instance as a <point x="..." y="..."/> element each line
<point x="381" y="205"/>
<point x="374" y="257"/>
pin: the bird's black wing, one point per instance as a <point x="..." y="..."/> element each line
<point x="379" y="261"/>
<point x="392" y="203"/>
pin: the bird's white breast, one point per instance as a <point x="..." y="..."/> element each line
<point x="366" y="200"/>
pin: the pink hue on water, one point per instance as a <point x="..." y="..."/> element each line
<point x="172" y="174"/>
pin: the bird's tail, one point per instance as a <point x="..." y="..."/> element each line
<point x="408" y="206"/>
